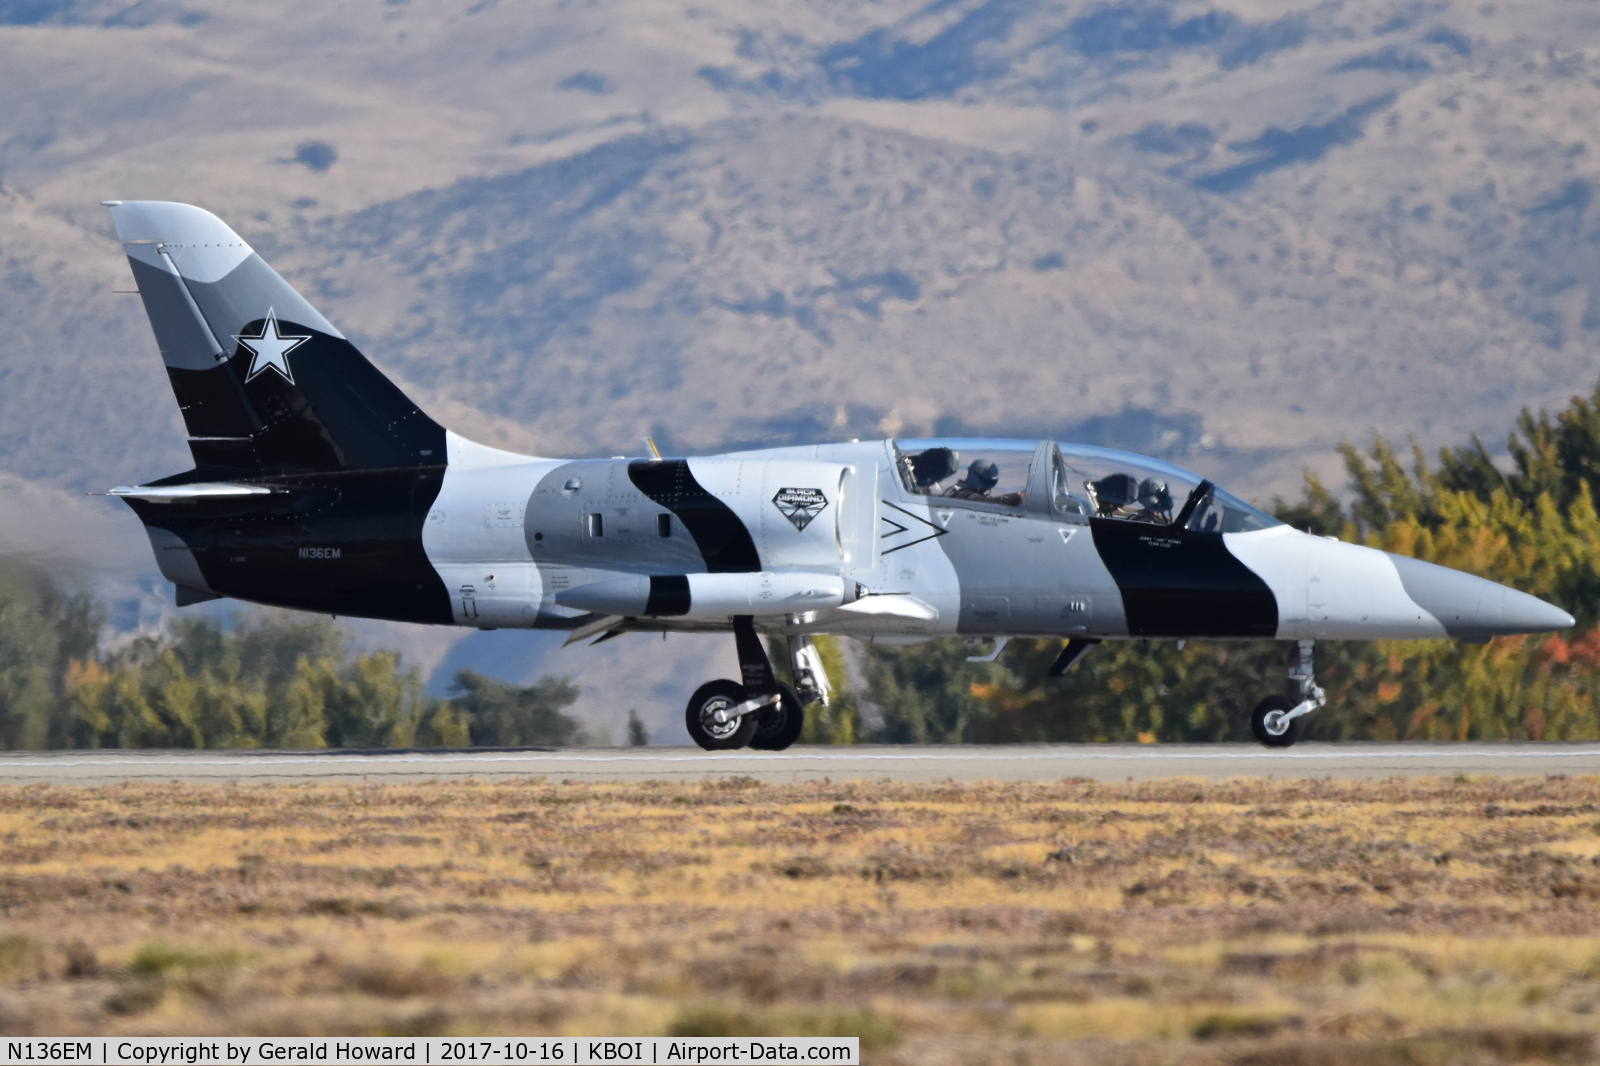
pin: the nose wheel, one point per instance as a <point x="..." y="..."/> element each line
<point x="1278" y="721"/>
<point x="1272" y="725"/>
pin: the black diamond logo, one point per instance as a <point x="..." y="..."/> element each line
<point x="800" y="506"/>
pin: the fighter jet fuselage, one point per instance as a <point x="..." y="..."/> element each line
<point x="319" y="486"/>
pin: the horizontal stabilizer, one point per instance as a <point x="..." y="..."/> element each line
<point x="204" y="490"/>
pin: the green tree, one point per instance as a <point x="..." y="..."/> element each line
<point x="499" y="714"/>
<point x="262" y="678"/>
<point x="369" y="702"/>
<point x="43" y="633"/>
<point x="27" y="650"/>
<point x="269" y="679"/>
<point x="840" y="721"/>
<point x="929" y="694"/>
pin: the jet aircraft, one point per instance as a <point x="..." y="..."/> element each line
<point x="317" y="485"/>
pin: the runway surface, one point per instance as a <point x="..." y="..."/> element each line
<point x="1043" y="763"/>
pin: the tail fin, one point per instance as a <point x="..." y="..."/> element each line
<point x="265" y="383"/>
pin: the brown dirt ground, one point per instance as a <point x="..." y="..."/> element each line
<point x="1315" y="923"/>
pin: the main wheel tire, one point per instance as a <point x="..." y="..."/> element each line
<point x="700" y="717"/>
<point x="778" y="727"/>
<point x="1276" y="705"/>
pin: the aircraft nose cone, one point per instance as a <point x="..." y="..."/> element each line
<point x="1471" y="608"/>
<point x="1522" y="613"/>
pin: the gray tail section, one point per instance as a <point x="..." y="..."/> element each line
<point x="265" y="383"/>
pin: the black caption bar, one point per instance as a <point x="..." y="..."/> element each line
<point x="499" y="1051"/>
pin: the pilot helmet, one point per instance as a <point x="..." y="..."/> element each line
<point x="933" y="466"/>
<point x="983" y="475"/>
<point x="1153" y="493"/>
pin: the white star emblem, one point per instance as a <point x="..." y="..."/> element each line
<point x="271" y="348"/>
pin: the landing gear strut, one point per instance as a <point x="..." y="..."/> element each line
<point x="781" y="724"/>
<point x="1277" y="721"/>
<point x="762" y="712"/>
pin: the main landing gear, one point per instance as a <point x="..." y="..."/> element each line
<point x="763" y="712"/>
<point x="1278" y="721"/>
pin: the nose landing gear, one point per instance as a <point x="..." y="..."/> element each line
<point x="1277" y="721"/>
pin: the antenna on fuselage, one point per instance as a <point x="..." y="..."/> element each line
<point x="649" y="442"/>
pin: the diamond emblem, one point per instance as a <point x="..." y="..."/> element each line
<point x="800" y="506"/>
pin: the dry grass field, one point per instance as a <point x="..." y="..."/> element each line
<point x="1419" y="922"/>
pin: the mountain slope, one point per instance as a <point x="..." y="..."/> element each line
<point x="1230" y="235"/>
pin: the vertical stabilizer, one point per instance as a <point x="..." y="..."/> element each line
<point x="265" y="383"/>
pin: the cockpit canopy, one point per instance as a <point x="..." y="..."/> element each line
<point x="1081" y="481"/>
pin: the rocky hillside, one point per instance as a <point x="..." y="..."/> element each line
<point x="1229" y="235"/>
